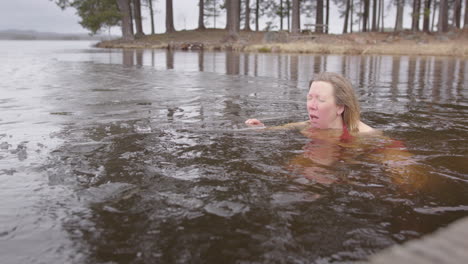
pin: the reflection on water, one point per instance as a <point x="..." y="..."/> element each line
<point x="141" y="156"/>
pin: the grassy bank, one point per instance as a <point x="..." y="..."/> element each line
<point x="430" y="49"/>
<point x="402" y="43"/>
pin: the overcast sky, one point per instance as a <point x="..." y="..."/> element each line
<point x="46" y="16"/>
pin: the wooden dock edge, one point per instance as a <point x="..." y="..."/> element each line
<point x="446" y="245"/>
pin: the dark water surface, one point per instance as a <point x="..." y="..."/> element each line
<point x="110" y="156"/>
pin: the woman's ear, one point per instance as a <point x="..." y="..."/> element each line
<point x="340" y="110"/>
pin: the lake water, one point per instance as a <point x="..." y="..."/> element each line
<point x="111" y="156"/>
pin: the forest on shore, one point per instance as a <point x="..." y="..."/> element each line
<point x="442" y="24"/>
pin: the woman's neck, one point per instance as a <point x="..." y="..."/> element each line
<point x="337" y="123"/>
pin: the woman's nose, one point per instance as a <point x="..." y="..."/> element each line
<point x="312" y="104"/>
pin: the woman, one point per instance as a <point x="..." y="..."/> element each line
<point x="336" y="129"/>
<point x="331" y="104"/>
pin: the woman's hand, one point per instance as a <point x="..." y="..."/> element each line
<point x="254" y="122"/>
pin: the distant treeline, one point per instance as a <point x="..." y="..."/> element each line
<point x="358" y="15"/>
<point x="34" y="35"/>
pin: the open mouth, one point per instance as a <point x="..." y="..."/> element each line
<point x="312" y="117"/>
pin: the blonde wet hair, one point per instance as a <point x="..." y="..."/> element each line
<point x="344" y="96"/>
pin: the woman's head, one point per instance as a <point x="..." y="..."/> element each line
<point x="331" y="100"/>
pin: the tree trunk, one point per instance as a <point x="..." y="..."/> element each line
<point x="345" y="26"/>
<point x="150" y="3"/>
<point x="433" y="15"/>
<point x="328" y="16"/>
<point x="361" y="9"/>
<point x="127" y="27"/>
<point x="130" y="7"/>
<point x="415" y="15"/>
<point x="418" y="7"/>
<point x="466" y="14"/>
<point x="201" y="15"/>
<point x="296" y="20"/>
<point x="457" y="13"/>
<point x="288" y="3"/>
<point x="247" y="15"/>
<point x="137" y="17"/>
<point x="443" y="16"/>
<point x="281" y="14"/>
<point x="233" y="18"/>
<point x="383" y="15"/>
<point x="427" y="15"/>
<point x="351" y="17"/>
<point x="399" y="15"/>
<point x="365" y="16"/>
<point x="379" y="14"/>
<point x="374" y="15"/>
<point x="214" y="14"/>
<point x="319" y="17"/>
<point x="169" y="17"/>
<point x="257" y="14"/>
<point x="227" y="4"/>
<point x="239" y="8"/>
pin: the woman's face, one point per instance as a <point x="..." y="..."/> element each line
<point x="322" y="108"/>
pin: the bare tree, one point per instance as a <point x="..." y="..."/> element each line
<point x="237" y="12"/>
<point x="466" y="14"/>
<point x="137" y="17"/>
<point x="247" y="15"/>
<point x="257" y="14"/>
<point x="296" y="20"/>
<point x="127" y="25"/>
<point x="328" y="16"/>
<point x="427" y="15"/>
<point x="415" y="15"/>
<point x="382" y="14"/>
<point x="457" y="13"/>
<point x="233" y="18"/>
<point x="351" y="16"/>
<point x="201" y="15"/>
<point x="365" y="15"/>
<point x="150" y="6"/>
<point x="374" y="15"/>
<point x="345" y="26"/>
<point x="443" y="16"/>
<point x="319" y="17"/>
<point x="399" y="15"/>
<point x="211" y="10"/>
<point x="239" y="8"/>
<point x="436" y="5"/>
<point x="281" y="13"/>
<point x="169" y="17"/>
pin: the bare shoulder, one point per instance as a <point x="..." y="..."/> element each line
<point x="363" y="128"/>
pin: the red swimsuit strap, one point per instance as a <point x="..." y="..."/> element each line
<point x="346" y="136"/>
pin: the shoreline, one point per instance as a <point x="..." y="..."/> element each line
<point x="454" y="43"/>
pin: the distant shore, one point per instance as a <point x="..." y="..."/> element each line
<point x="32" y="35"/>
<point x="453" y="43"/>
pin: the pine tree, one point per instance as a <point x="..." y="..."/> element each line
<point x="201" y="15"/>
<point x="169" y="17"/>
<point x="212" y="10"/>
<point x="233" y="18"/>
<point x="296" y="19"/>
<point x="137" y="16"/>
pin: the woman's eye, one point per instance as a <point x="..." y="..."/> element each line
<point x="321" y="100"/>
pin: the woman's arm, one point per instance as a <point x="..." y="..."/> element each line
<point x="296" y="125"/>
